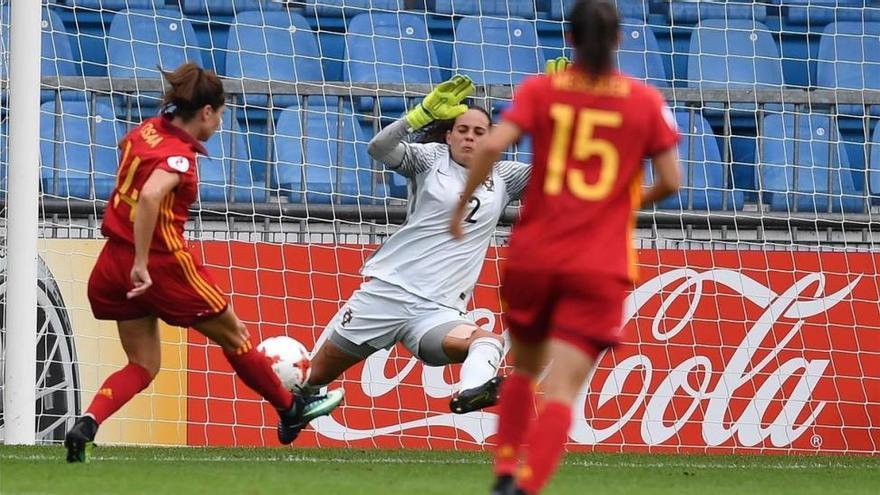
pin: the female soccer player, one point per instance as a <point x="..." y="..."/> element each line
<point x="145" y="272"/>
<point x="570" y="259"/>
<point x="420" y="281"/>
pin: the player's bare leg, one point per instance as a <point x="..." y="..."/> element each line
<point x="481" y="352"/>
<point x="570" y="367"/>
<point x="329" y="363"/>
<point x="517" y="407"/>
<point x="140" y="340"/>
<point x="294" y="410"/>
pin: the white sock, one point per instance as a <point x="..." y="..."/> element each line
<point x="481" y="365"/>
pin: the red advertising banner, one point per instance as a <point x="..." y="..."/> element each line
<point x="744" y="351"/>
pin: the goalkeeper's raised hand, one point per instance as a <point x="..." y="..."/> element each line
<point x="557" y="64"/>
<point x="442" y="103"/>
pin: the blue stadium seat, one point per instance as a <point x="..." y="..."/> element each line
<point x="634" y="9"/>
<point x="116" y="4"/>
<point x="350" y="8"/>
<point x="496" y="8"/>
<point x="805" y="167"/>
<point x="694" y="12"/>
<point x="56" y="58"/>
<point x="849" y="58"/>
<point x="733" y="54"/>
<point x="702" y="170"/>
<point x="331" y="154"/>
<point x="83" y="147"/>
<point x="226" y="173"/>
<point x="496" y="51"/>
<point x="639" y="54"/>
<point x="820" y="12"/>
<point x="226" y="7"/>
<point x="272" y="46"/>
<point x="139" y="41"/>
<point x="873" y="185"/>
<point x="389" y="48"/>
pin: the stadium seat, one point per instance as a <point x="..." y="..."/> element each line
<point x="331" y="154"/>
<point x="272" y="46"/>
<point x="56" y="57"/>
<point x="226" y="174"/>
<point x="849" y="58"/>
<point x="820" y="12"/>
<point x="389" y="48"/>
<point x="639" y="53"/>
<point x="226" y="7"/>
<point x="496" y="51"/>
<point x="702" y="170"/>
<point x="496" y="8"/>
<point x="694" y="12"/>
<point x="805" y="167"/>
<point x="116" y="4"/>
<point x="350" y="8"/>
<point x="873" y="185"/>
<point x="634" y="9"/>
<point x="83" y="147"/>
<point x="139" y="41"/>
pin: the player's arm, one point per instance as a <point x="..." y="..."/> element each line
<point x="667" y="177"/>
<point x="443" y="103"/>
<point x="157" y="187"/>
<point x="486" y="154"/>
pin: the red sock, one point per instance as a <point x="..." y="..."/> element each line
<point x="546" y="444"/>
<point x="118" y="389"/>
<point x="255" y="371"/>
<point x="517" y="408"/>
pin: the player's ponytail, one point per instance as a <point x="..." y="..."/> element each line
<point x="594" y="29"/>
<point x="191" y="89"/>
<point x="435" y="132"/>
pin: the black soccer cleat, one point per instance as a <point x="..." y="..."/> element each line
<point x="486" y="395"/>
<point x="80" y="439"/>
<point x="504" y="485"/>
<point x="304" y="410"/>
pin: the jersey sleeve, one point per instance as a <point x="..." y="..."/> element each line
<point x="419" y="158"/>
<point x="663" y="131"/>
<point x="389" y="147"/>
<point x="183" y="163"/>
<point x="516" y="176"/>
<point x="522" y="111"/>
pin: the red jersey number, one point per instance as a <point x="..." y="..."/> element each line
<point x="584" y="122"/>
<point x="124" y="191"/>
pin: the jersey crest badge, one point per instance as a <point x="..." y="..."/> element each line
<point x="179" y="163"/>
<point x="489" y="184"/>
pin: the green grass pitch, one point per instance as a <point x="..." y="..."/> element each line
<point x="32" y="470"/>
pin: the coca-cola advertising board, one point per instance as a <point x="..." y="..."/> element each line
<point x="743" y="351"/>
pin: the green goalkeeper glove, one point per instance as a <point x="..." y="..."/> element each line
<point x="557" y="64"/>
<point x="442" y="103"/>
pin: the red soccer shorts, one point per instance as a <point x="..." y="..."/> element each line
<point x="582" y="309"/>
<point x="182" y="294"/>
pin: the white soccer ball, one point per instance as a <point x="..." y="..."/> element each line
<point x="289" y="359"/>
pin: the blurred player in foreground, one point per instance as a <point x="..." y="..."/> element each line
<point x="571" y="259"/>
<point x="145" y="271"/>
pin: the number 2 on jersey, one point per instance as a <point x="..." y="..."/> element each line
<point x="585" y="146"/>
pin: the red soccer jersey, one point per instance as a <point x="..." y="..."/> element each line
<point x="156" y="143"/>
<point x="589" y="140"/>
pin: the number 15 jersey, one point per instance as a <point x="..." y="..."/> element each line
<point x="590" y="137"/>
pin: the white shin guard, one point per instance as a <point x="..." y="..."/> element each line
<point x="481" y="365"/>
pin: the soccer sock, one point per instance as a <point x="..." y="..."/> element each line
<point x="516" y="409"/>
<point x="255" y="371"/>
<point x="546" y="444"/>
<point x="117" y="390"/>
<point x="481" y="364"/>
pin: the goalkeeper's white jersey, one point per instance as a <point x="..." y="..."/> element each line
<point x="422" y="257"/>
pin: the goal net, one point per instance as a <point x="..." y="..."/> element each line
<point x="754" y="327"/>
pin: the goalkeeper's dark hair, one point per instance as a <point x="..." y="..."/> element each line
<point x="435" y="132"/>
<point x="191" y="89"/>
<point x="595" y="29"/>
